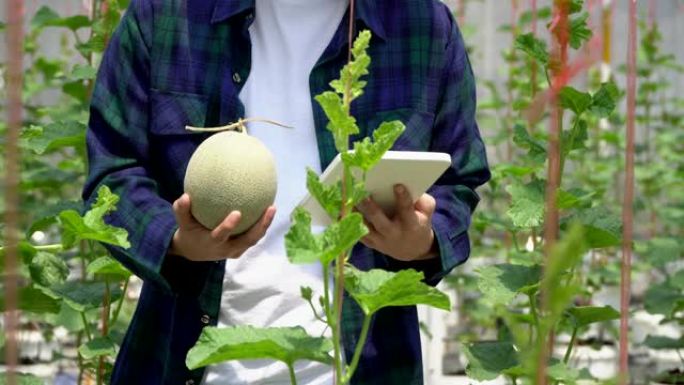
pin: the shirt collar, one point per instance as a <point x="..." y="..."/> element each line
<point x="366" y="10"/>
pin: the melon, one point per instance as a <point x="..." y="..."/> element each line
<point x="230" y="171"/>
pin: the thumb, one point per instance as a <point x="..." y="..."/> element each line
<point x="181" y="208"/>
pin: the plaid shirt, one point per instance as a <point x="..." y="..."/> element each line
<point x="177" y="62"/>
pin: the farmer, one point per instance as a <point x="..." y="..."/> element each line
<point x="173" y="63"/>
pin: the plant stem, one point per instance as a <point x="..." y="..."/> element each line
<point x="86" y="326"/>
<point x="358" y="349"/>
<point x="119" y="305"/>
<point x="293" y="378"/>
<point x="533" y="312"/>
<point x="566" y="358"/>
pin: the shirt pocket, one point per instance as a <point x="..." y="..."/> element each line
<point x="418" y="133"/>
<point x="171" y="145"/>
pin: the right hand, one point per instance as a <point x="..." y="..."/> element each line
<point x="197" y="243"/>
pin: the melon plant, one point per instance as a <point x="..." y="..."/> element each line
<point x="372" y="290"/>
<point x="231" y="171"/>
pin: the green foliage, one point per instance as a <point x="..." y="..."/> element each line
<point x="92" y="226"/>
<point x="82" y="296"/>
<point x="489" y="359"/>
<point x="48" y="269"/>
<point x="367" y="153"/>
<point x="533" y="46"/>
<point x="286" y="344"/>
<point x="376" y="288"/>
<point x="22" y="379"/>
<point x="527" y="204"/>
<point x="501" y="283"/>
<point x="100" y="346"/>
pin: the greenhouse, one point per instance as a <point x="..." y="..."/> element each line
<point x="347" y="192"/>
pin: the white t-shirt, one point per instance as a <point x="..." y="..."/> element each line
<point x="262" y="288"/>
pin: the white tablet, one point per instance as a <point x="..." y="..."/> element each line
<point x="417" y="170"/>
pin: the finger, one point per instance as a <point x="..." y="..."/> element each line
<point x="404" y="205"/>
<point x="181" y="209"/>
<point x="256" y="232"/>
<point x="373" y="213"/>
<point x="226" y="228"/>
<point x="426" y="204"/>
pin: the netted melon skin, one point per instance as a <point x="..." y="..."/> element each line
<point x="230" y="171"/>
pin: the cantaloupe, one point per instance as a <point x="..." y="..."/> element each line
<point x="230" y="171"/>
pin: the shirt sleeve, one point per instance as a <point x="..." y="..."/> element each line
<point x="455" y="132"/>
<point x="118" y="154"/>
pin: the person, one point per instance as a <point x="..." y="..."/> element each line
<point x="173" y="63"/>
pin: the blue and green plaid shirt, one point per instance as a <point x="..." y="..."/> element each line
<point x="173" y="63"/>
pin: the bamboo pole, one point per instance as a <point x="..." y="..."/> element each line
<point x="628" y="202"/>
<point x="14" y="39"/>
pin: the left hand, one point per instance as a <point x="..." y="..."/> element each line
<point x="408" y="235"/>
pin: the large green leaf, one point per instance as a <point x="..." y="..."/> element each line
<point x="100" y="346"/>
<point x="527" y="204"/>
<point x="47" y="269"/>
<point x="661" y="250"/>
<point x="108" y="266"/>
<point x="536" y="149"/>
<point x="286" y="344"/>
<point x="55" y="136"/>
<point x="561" y="372"/>
<point x="602" y="227"/>
<point x="367" y="153"/>
<point x="32" y="300"/>
<point x="47" y="215"/>
<point x="662" y="298"/>
<point x="489" y="359"/>
<point x="585" y="315"/>
<point x="47" y="17"/>
<point x="376" y="288"/>
<point x="604" y="100"/>
<point x="664" y="343"/>
<point x="502" y="282"/>
<point x="352" y="72"/>
<point x="82" y="296"/>
<point x="341" y="124"/>
<point x="92" y="226"/>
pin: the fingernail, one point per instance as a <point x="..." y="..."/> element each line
<point x="399" y="189"/>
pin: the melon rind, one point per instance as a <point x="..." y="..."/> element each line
<point x="230" y="171"/>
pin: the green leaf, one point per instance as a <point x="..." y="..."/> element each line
<point x="572" y="99"/>
<point x="83" y="72"/>
<point x="376" y="288"/>
<point x="579" y="31"/>
<point x="47" y="17"/>
<point x="534" y="47"/>
<point x="47" y="215"/>
<point x="661" y="250"/>
<point x="55" y="136"/>
<point x="47" y="269"/>
<point x="32" y="300"/>
<point x="341" y="124"/>
<point x="100" y="346"/>
<point x="502" y="282"/>
<point x="43" y="17"/>
<point x="92" y="225"/>
<point x="352" y="72"/>
<point x="664" y="343"/>
<point x="527" y="204"/>
<point x="602" y="228"/>
<point x="575" y="138"/>
<point x="82" y="296"/>
<point x="662" y="298"/>
<point x="300" y="244"/>
<point x="489" y="359"/>
<point x="304" y="247"/>
<point x="329" y="197"/>
<point x="605" y="99"/>
<point x="108" y="266"/>
<point x="367" y="153"/>
<point x="560" y="372"/>
<point x="286" y="344"/>
<point x="536" y="149"/>
<point x="23" y="379"/>
<point x="585" y="315"/>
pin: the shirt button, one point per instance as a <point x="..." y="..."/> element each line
<point x="205" y="319"/>
<point x="237" y="78"/>
<point x="190" y="382"/>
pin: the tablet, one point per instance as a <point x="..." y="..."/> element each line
<point x="417" y="170"/>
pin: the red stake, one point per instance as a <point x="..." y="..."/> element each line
<point x="15" y="38"/>
<point x="627" y="208"/>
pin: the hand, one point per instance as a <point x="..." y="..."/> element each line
<point x="408" y="236"/>
<point x="197" y="243"/>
